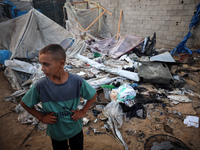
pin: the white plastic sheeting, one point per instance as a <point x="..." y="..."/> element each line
<point x="20" y="66"/>
<point x="26" y="35"/>
<point x="127" y="74"/>
<point x="164" y="57"/>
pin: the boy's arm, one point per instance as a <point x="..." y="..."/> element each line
<point x="78" y="114"/>
<point x="48" y="118"/>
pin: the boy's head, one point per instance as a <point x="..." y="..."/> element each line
<point x="52" y="59"/>
<point x="55" y="50"/>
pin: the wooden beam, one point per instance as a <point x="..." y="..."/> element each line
<point x="100" y="6"/>
<point x="64" y="14"/>
<point x="79" y="23"/>
<point x="95" y="20"/>
<point x="78" y="2"/>
<point x="119" y="24"/>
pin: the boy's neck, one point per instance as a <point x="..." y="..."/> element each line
<point x="60" y="78"/>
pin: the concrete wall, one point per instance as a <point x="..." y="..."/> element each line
<point x="170" y="20"/>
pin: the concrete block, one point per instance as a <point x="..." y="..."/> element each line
<point x="160" y="32"/>
<point x="156" y="17"/>
<point x="186" y="18"/>
<point x="167" y="7"/>
<point x="180" y="23"/>
<point x="161" y="37"/>
<point x="160" y="22"/>
<point x="149" y="7"/>
<point x="154" y="2"/>
<point x="155" y="27"/>
<point x="162" y="12"/>
<point x="147" y="26"/>
<point x="179" y="39"/>
<point x="130" y="21"/>
<point x="185" y="2"/>
<point x="169" y="22"/>
<point x="153" y="13"/>
<point x="158" y="7"/>
<point x="144" y="13"/>
<point x="173" y="28"/>
<point x="177" y="33"/>
<point x="164" y="27"/>
<point x="172" y="12"/>
<point x="191" y="12"/>
<point x="183" y="12"/>
<point x="177" y="7"/>
<point x="166" y="18"/>
<point x="176" y="18"/>
<point x="165" y="42"/>
<point x="173" y="1"/>
<point x="190" y="6"/>
<point x="168" y="32"/>
<point x="163" y="2"/>
<point x="171" y="38"/>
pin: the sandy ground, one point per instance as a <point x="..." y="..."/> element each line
<point x="14" y="135"/>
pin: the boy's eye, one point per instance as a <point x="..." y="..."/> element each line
<point x="46" y="64"/>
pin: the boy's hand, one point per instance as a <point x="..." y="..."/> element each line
<point x="78" y="114"/>
<point x="49" y="118"/>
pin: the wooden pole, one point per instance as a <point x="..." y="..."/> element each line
<point x="100" y="6"/>
<point x="119" y="24"/>
<point x="79" y="23"/>
<point x="64" y="14"/>
<point x="95" y="20"/>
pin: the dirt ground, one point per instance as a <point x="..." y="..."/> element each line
<point x="15" y="136"/>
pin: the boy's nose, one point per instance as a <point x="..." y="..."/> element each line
<point x="42" y="68"/>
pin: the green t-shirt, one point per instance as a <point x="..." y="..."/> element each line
<point x="60" y="99"/>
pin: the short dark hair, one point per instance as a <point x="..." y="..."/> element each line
<point x="56" y="50"/>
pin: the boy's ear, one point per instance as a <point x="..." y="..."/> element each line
<point x="62" y="63"/>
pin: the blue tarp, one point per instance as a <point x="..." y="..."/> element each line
<point x="181" y="48"/>
<point x="4" y="55"/>
<point x="11" y="8"/>
<point x="15" y="12"/>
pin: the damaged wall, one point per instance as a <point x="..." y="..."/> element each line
<point x="170" y="19"/>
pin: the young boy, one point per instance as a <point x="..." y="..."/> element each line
<point x="59" y="92"/>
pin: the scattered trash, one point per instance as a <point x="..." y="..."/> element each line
<point x="191" y="121"/>
<point x="125" y="92"/>
<point x="179" y="98"/>
<point x="85" y="121"/>
<point x="156" y="116"/>
<point x="81" y="73"/>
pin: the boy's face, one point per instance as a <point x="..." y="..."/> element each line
<point x="50" y="66"/>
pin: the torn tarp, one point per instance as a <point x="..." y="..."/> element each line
<point x="115" y="48"/>
<point x="33" y="28"/>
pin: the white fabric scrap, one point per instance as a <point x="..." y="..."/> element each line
<point x="179" y="98"/>
<point x="191" y="121"/>
<point x="81" y="73"/>
<point x="20" y="66"/>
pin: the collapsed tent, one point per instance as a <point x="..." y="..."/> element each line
<point x="80" y="19"/>
<point x="115" y="48"/>
<point x="26" y="35"/>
